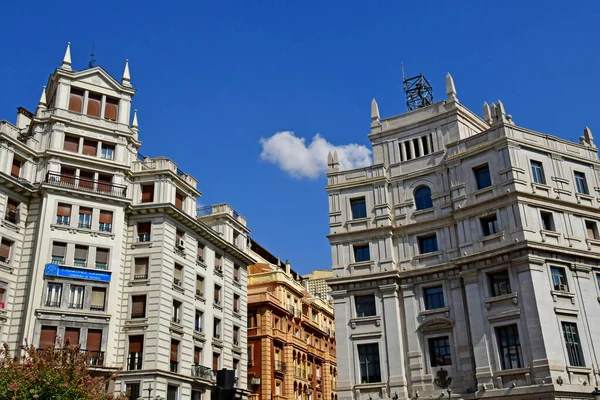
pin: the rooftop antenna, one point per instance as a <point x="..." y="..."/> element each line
<point x="419" y="92"/>
<point x="92" y="59"/>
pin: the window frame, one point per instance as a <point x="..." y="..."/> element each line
<point x="574" y="349"/>
<point x="485" y="221"/>
<point x="547" y="219"/>
<point x="355" y="203"/>
<point x="482" y="181"/>
<point x="370" y="351"/>
<point x="433" y="357"/>
<point x="423" y="201"/>
<point x="512" y="346"/>
<point x="537" y="172"/>
<point x="580" y="180"/>
<point x="370" y="306"/>
<point x="561" y="273"/>
<point x="431" y="299"/>
<point x="493" y="280"/>
<point x="423" y="244"/>
<point x="360" y="251"/>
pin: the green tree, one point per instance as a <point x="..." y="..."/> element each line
<point x="50" y="374"/>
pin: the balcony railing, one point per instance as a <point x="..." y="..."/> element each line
<point x="143" y="238"/>
<point x="96" y="308"/>
<point x="102" y="266"/>
<point x="105" y="227"/>
<point x="173" y="366"/>
<point x="84" y="225"/>
<point x="279" y="366"/>
<point x="88" y="185"/>
<point x="76" y="306"/>
<point x="202" y="372"/>
<point x="134" y="361"/>
<point x="140" y="276"/>
<point x="80" y="263"/>
<point x="94" y="358"/>
<point x="52" y="303"/>
<point x="138" y="314"/>
<point x="62" y="220"/>
<point x="58" y="260"/>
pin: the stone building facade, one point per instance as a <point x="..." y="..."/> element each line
<point x="291" y="335"/>
<point x="103" y="247"/>
<point x="466" y="259"/>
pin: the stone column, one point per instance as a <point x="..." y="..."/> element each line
<point x="411" y="145"/>
<point x="393" y="335"/>
<point x="413" y="350"/>
<point x="420" y="144"/>
<point x="344" y="351"/>
<point x="403" y="151"/>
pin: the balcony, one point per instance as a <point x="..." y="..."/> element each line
<point x="202" y="372"/>
<point x="219" y="210"/>
<point x="93" y="358"/>
<point x="84" y="225"/>
<point x="80" y="263"/>
<point x="62" y="220"/>
<point x="140" y="276"/>
<point x="102" y="266"/>
<point x="173" y="366"/>
<point x="279" y="366"/>
<point x="145" y="238"/>
<point x="134" y="361"/>
<point x="76" y="306"/>
<point x="105" y="227"/>
<point x="88" y="185"/>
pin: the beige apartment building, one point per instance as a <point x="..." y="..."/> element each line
<point x="466" y="259"/>
<point x="104" y="247"/>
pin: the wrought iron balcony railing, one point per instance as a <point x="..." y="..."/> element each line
<point x="202" y="372"/>
<point x="88" y="185"/>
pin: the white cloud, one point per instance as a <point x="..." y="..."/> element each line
<point x="292" y="155"/>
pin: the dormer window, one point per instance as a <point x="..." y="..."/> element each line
<point x="94" y="105"/>
<point x="111" y="109"/>
<point x="76" y="100"/>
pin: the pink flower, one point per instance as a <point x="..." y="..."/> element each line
<point x="13" y="387"/>
<point x="89" y="381"/>
<point x="21" y="346"/>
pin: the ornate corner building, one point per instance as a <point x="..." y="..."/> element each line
<point x="103" y="247"/>
<point x="466" y="259"/>
<point x="291" y="335"/>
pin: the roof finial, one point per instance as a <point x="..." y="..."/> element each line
<point x="42" y="103"/>
<point x="66" y="63"/>
<point x="126" y="80"/>
<point x="587" y="137"/>
<point x="329" y="159"/>
<point x="134" y="123"/>
<point x="450" y="88"/>
<point x="487" y="116"/>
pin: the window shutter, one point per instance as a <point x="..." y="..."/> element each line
<point x="94" y="105"/>
<point x="86" y="179"/>
<point x="199" y="283"/>
<point x="215" y="361"/>
<point x="85" y="211"/>
<point x="136" y="343"/>
<point x="104" y="182"/>
<point x="138" y="305"/>
<point x="111" y="108"/>
<point x="76" y="100"/>
<point x="98" y="297"/>
<point x="106" y="217"/>
<point x="590" y="230"/>
<point x="90" y="147"/>
<point x="16" y="168"/>
<point x="196" y="355"/>
<point x="143" y="228"/>
<point x="47" y="337"/>
<point x="67" y="175"/>
<point x="81" y="252"/>
<point x="178" y="272"/>
<point x="59" y="249"/>
<point x="102" y="256"/>
<point x="141" y="266"/>
<point x="179" y="200"/>
<point x="217" y="293"/>
<point x="72" y="335"/>
<point x="64" y="210"/>
<point x="94" y="340"/>
<point x="5" y="249"/>
<point x="71" y="144"/>
<point x="147" y="193"/>
<point x="174" y="348"/>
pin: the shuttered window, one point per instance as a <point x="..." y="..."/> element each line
<point x="58" y="252"/>
<point x="147" y="193"/>
<point x="178" y="274"/>
<point x="86" y="179"/>
<point x="5" y="246"/>
<point x="217" y="296"/>
<point x="104" y="182"/>
<point x="63" y="210"/>
<point x="136" y="344"/>
<point x="12" y="211"/>
<point x="81" y="253"/>
<point x="71" y="336"/>
<point x="215" y="362"/>
<point x="106" y="217"/>
<point x="47" y="337"/>
<point x="71" y="144"/>
<point x="236" y="272"/>
<point x="236" y="303"/>
<point x="102" y="259"/>
<point x="199" y="285"/>
<point x="141" y="268"/>
<point x="90" y="147"/>
<point x="138" y="306"/>
<point x="76" y="100"/>
<point x="111" y="108"/>
<point x="67" y="175"/>
<point x="197" y="354"/>
<point x="143" y="231"/>
<point x="179" y="197"/>
<point x="174" y="350"/>
<point x="94" y="104"/>
<point x="98" y="299"/>
<point x="15" y="170"/>
<point x="94" y="340"/>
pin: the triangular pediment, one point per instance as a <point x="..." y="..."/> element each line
<point x="97" y="76"/>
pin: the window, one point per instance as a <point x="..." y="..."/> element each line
<point x="178" y="236"/>
<point x="63" y="214"/>
<point x="86" y="179"/>
<point x="482" y="177"/>
<point x="315" y="316"/>
<point x="591" y="229"/>
<point x="547" y="221"/>
<point x="76" y="100"/>
<point x="358" y="207"/>
<point x="216" y="361"/>
<point x="197" y="355"/>
<point x="236" y="236"/>
<point x="559" y="279"/>
<point x="90" y="147"/>
<point x="218" y="262"/>
<point x="434" y="297"/>
<point x="111" y="109"/>
<point x="15" y="170"/>
<point x="217" y="328"/>
<point x="408" y="148"/>
<point x="176" y="312"/>
<point x="537" y="172"/>
<point x="5" y="249"/>
<point x="12" y="211"/>
<point x="133" y="390"/>
<point x="85" y="218"/>
<point x="423" y="198"/>
<point x="199" y="286"/>
<point x="236" y="272"/>
<point x="217" y="294"/>
<point x="105" y="183"/>
<point x="138" y="306"/>
<point x="143" y="231"/>
<point x="361" y="253"/>
<point x="141" y="268"/>
<point x="81" y="254"/>
<point x="509" y="347"/>
<point x="71" y="143"/>
<point x="53" y="295"/>
<point x="252" y="320"/>
<point x="236" y="335"/>
<point x="97" y="299"/>
<point x="499" y="283"/>
<point x="428" y="244"/>
<point x="365" y="305"/>
<point x="136" y="348"/>
<point x="105" y="221"/>
<point x="94" y="104"/>
<point x="200" y="252"/>
<point x="174" y="359"/>
<point x="489" y="225"/>
<point x="47" y="337"/>
<point x="236" y="303"/>
<point x="368" y="356"/>
<point x="107" y="151"/>
<point x="416" y="147"/>
<point x="250" y="352"/>
<point x="198" y="321"/>
<point x="178" y="275"/>
<point x="439" y="351"/>
<point x="58" y="253"/>
<point x="179" y="199"/>
<point x="67" y="176"/>
<point x="76" y="294"/>
<point x="425" y="141"/>
<point x="148" y="193"/>
<point x="93" y="346"/>
<point x="580" y="183"/>
<point x="2" y="295"/>
<point x="71" y="336"/>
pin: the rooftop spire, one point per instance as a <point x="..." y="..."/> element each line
<point x="374" y="114"/>
<point x="587" y="137"/>
<point x="487" y="116"/>
<point x="66" y="63"/>
<point x="134" y="123"/>
<point x="42" y="103"/>
<point x="450" y="88"/>
<point x="126" y="80"/>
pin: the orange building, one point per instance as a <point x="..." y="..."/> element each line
<point x="291" y="336"/>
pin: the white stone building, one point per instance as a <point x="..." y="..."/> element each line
<point x="103" y="247"/>
<point x="469" y="250"/>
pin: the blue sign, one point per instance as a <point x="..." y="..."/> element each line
<point x="69" y="272"/>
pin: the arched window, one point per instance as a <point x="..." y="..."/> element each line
<point x="423" y="198"/>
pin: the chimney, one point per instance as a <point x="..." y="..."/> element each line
<point x="24" y="118"/>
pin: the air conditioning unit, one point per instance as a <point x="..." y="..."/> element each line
<point x="255" y="381"/>
<point x="562" y="288"/>
<point x="181" y="243"/>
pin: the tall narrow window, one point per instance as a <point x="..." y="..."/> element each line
<point x="537" y="172"/>
<point x="217" y="294"/>
<point x="148" y="193"/>
<point x="358" y="208"/>
<point x="94" y="104"/>
<point x="5" y="249"/>
<point x="236" y="303"/>
<point x="102" y="259"/>
<point x="12" y="211"/>
<point x="361" y="253"/>
<point x="509" y="347"/>
<point x="580" y="183"/>
<point x="15" y="170"/>
<point x="200" y="256"/>
<point x="217" y="328"/>
<point x="179" y="199"/>
<point x="47" y="337"/>
<point x="107" y="151"/>
<point x="53" y="295"/>
<point x="425" y="141"/>
<point x="197" y="355"/>
<point x="63" y="214"/>
<point x="216" y="361"/>
<point x="236" y="335"/>
<point x="85" y="218"/>
<point x="76" y="294"/>
<point x="141" y="268"/>
<point x="133" y="389"/>
<point x="368" y="357"/>
<point x="547" y="221"/>
<point x="76" y="100"/>
<point x="499" y="283"/>
<point x="105" y="221"/>
<point x="198" y="321"/>
<point x="138" y="306"/>
<point x="434" y="297"/>
<point x="439" y="351"/>
<point x="98" y="298"/>
<point x="93" y="347"/>
<point x="483" y="178"/>
<point x="199" y="286"/>
<point x="176" y="312"/>
<point x="428" y="244"/>
<point x="81" y="255"/>
<point x="559" y="279"/>
<point x="408" y="149"/>
<point x="416" y="146"/>
<point x="236" y="272"/>
<point x="59" y="250"/>
<point x="111" y="108"/>
<point x="489" y="225"/>
<point x="136" y="349"/>
<point x="423" y="198"/>
<point x="71" y="336"/>
<point x="218" y="262"/>
<point x="90" y="147"/>
<point x="178" y="275"/>
<point x="143" y="231"/>
<point x="365" y="305"/>
<point x="591" y="229"/>
<point x="174" y="359"/>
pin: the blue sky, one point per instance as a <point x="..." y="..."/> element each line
<point x="213" y="78"/>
